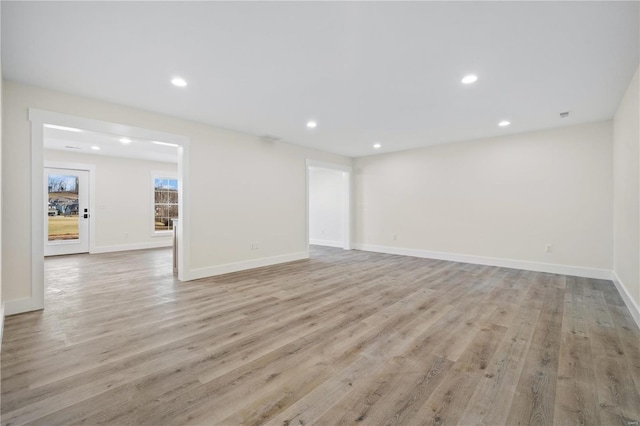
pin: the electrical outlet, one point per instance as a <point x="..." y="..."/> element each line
<point x="394" y="237"/>
<point x="126" y="235"/>
<point x="548" y="248"/>
<point x="254" y="245"/>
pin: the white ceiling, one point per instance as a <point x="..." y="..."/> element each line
<point x="368" y="72"/>
<point x="110" y="145"/>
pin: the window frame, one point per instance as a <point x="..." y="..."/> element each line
<point x="161" y="175"/>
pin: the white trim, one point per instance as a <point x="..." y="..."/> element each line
<point x="348" y="219"/>
<point x="133" y="246"/>
<point x="632" y="306"/>
<point x="161" y="234"/>
<point x="328" y="243"/>
<point x="332" y="166"/>
<point x="1" y="324"/>
<point x="36" y="301"/>
<point x="348" y="213"/>
<point x="38" y="118"/>
<point x="578" y="271"/>
<point x="18" y="306"/>
<point x="183" y="234"/>
<point x="244" y="265"/>
<point x="50" y="117"/>
<point x="306" y="205"/>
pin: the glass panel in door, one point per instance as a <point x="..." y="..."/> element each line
<point x="63" y="208"/>
<point x="66" y="220"/>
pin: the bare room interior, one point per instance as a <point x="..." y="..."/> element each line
<point x="320" y="213"/>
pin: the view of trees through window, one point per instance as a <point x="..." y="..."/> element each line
<point x="165" y="202"/>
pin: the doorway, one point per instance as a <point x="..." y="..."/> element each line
<point x="39" y="119"/>
<point x="329" y="218"/>
<point x="67" y="211"/>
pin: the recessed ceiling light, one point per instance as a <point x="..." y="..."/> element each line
<point x="125" y="141"/>
<point x="165" y="143"/>
<point x="95" y="148"/>
<point x="377" y="145"/>
<point x="179" y="81"/>
<point x="503" y="123"/>
<point x="311" y="124"/>
<point x="68" y="129"/>
<point x="468" y="79"/>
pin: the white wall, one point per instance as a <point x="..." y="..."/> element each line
<point x="500" y="198"/>
<point x="1" y="196"/>
<point x="123" y="200"/>
<point x="326" y="207"/>
<point x="626" y="139"/>
<point x="242" y="189"/>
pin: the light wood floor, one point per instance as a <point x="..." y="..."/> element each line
<point x="344" y="338"/>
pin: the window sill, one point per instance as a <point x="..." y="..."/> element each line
<point x="161" y="233"/>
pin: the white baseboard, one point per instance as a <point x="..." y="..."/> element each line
<point x="1" y="324"/>
<point x="578" y="271"/>
<point x="328" y="243"/>
<point x="196" y="274"/>
<point x="19" y="306"/>
<point x="134" y="246"/>
<point x="633" y="307"/>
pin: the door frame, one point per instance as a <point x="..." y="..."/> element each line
<point x="91" y="168"/>
<point x="38" y="118"/>
<point x="347" y="211"/>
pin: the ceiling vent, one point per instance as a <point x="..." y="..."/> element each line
<point x="564" y="114"/>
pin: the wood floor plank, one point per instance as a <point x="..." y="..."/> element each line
<point x="619" y="400"/>
<point x="628" y="337"/>
<point x="353" y="378"/>
<point x="105" y="376"/>
<point x="497" y="386"/>
<point x="447" y="403"/>
<point x="401" y="333"/>
<point x="345" y="337"/>
<point x="575" y="318"/>
<point x="393" y="325"/>
<point x="393" y="395"/>
<point x="576" y="401"/>
<point x="456" y="341"/>
<point x="158" y="395"/>
<point x="390" y="379"/>
<point x="534" y="398"/>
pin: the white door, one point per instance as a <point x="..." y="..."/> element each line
<point x="66" y="218"/>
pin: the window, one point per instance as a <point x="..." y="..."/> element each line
<point x="165" y="204"/>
